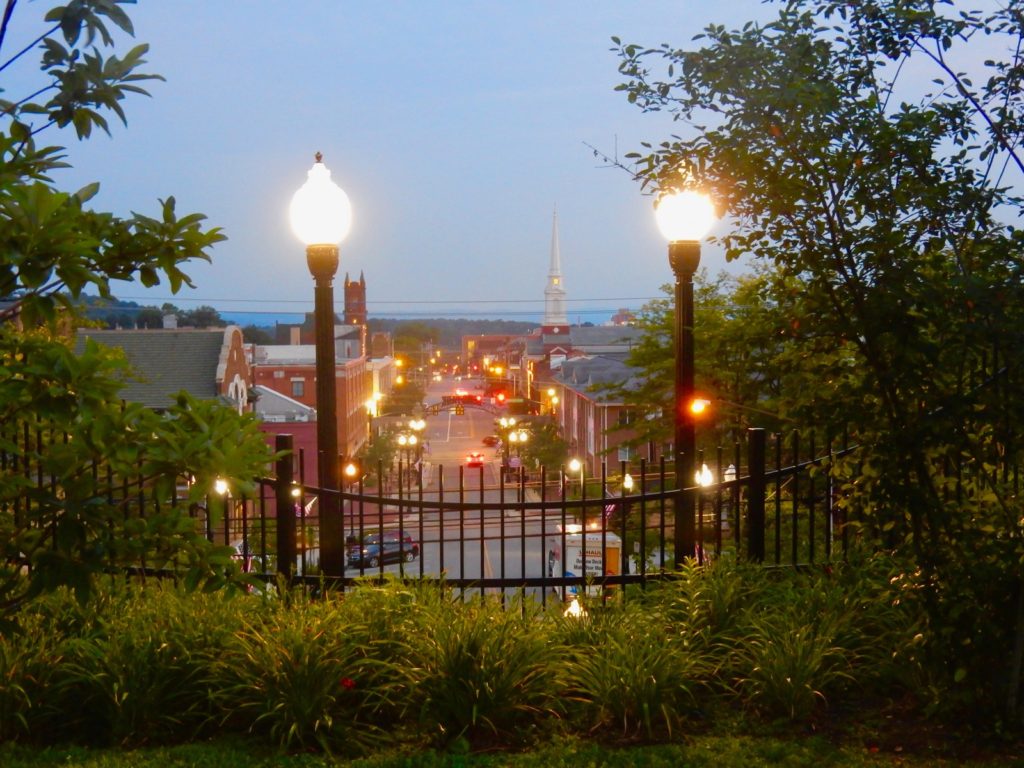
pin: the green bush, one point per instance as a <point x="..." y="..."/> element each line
<point x="787" y="662"/>
<point x="635" y="676"/>
<point x="136" y="673"/>
<point x="391" y="663"/>
<point x="489" y="675"/>
<point x="292" y="676"/>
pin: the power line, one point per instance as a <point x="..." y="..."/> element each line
<point x="307" y="302"/>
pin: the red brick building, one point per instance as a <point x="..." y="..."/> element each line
<point x="290" y="369"/>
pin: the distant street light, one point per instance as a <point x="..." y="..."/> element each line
<point x="321" y="217"/>
<point x="407" y="443"/>
<point x="684" y="218"/>
<point x="575" y="465"/>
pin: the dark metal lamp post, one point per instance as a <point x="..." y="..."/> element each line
<point x="321" y="217"/>
<point x="684" y="218"/>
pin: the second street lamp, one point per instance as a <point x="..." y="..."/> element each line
<point x="684" y="218"/>
<point x="321" y="217"/>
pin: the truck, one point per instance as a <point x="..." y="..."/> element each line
<point x="582" y="556"/>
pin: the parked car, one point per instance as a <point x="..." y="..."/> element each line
<point x="384" y="547"/>
<point x="491" y="440"/>
<point x="475" y="459"/>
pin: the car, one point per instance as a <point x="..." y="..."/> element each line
<point x="384" y="547"/>
<point x="475" y="459"/>
<point x="491" y="440"/>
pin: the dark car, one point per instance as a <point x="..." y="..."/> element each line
<point x="491" y="440"/>
<point x="383" y="547"/>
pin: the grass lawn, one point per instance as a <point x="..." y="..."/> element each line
<point x="699" y="752"/>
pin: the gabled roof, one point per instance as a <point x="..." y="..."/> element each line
<point x="584" y="374"/>
<point x="166" y="361"/>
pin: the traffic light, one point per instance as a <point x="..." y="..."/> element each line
<point x="501" y="398"/>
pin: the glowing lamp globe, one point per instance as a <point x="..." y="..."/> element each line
<point x="685" y="216"/>
<point x="320" y="211"/>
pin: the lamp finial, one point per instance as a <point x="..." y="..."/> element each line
<point x="319" y="157"/>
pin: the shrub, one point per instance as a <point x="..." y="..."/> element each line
<point x="294" y="677"/>
<point x="489" y="675"/>
<point x="135" y="673"/>
<point x="635" y="674"/>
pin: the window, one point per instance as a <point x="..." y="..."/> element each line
<point x="298" y="387"/>
<point x="625" y="453"/>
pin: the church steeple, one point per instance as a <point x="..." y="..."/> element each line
<point x="555" y="319"/>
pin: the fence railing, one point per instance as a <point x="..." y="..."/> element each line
<point x="550" y="535"/>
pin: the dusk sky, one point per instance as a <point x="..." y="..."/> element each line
<point x="455" y="128"/>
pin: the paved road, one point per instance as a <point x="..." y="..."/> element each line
<point x="471" y="545"/>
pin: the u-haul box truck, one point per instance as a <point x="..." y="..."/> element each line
<point x="583" y="556"/>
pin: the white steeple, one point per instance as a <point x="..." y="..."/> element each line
<point x="555" y="318"/>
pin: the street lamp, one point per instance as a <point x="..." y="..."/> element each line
<point x="518" y="437"/>
<point x="350" y="473"/>
<point x="575" y="465"/>
<point x="407" y="444"/>
<point x="321" y="217"/>
<point x="506" y="423"/>
<point x="684" y="218"/>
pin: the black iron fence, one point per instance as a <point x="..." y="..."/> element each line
<point x="549" y="535"/>
<point x="552" y="535"/>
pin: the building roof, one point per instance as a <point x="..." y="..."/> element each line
<point x="589" y="337"/>
<point x="273" y="406"/>
<point x="587" y="374"/>
<point x="167" y="361"/>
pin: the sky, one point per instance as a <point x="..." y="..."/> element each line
<point x="456" y="128"/>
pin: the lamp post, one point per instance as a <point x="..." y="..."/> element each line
<point x="506" y="423"/>
<point x="351" y="474"/>
<point x="408" y="444"/>
<point x="684" y="218"/>
<point x="321" y="217"/>
<point x="575" y="465"/>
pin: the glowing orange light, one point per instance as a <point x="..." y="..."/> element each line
<point x="699" y="406"/>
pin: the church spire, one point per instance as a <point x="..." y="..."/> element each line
<point x="555" y="319"/>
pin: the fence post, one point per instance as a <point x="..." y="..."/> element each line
<point x="285" y="507"/>
<point x="755" y="493"/>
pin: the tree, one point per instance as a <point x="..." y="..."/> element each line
<point x="412" y="337"/>
<point x="254" y="334"/>
<point x="736" y="360"/>
<point x="149" y="317"/>
<point x="379" y="455"/>
<point x="85" y="442"/>
<point x="545" y="448"/>
<point x="882" y="225"/>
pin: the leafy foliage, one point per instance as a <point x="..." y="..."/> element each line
<point x="89" y="482"/>
<point x="880" y="225"/>
<point x="66" y="423"/>
<point x="398" y="664"/>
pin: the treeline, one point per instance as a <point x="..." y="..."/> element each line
<point x="410" y="335"/>
<point x="116" y="313"/>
